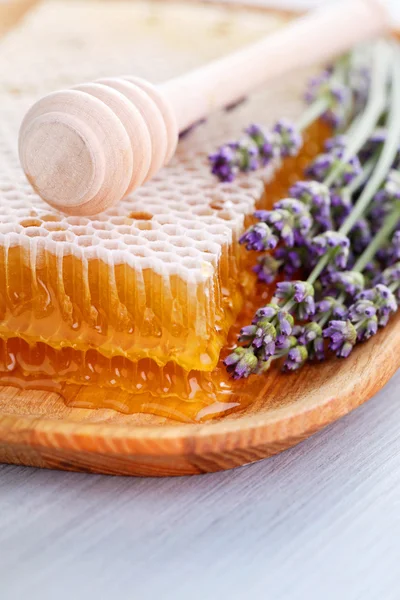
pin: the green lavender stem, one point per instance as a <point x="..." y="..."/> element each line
<point x="352" y="188"/>
<point x="387" y="155"/>
<point x="377" y="242"/>
<point x="375" y="106"/>
<point x="312" y="113"/>
<point x="382" y="167"/>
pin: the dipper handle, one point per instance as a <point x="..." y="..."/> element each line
<point x="86" y="148"/>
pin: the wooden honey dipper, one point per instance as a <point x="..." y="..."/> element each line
<point x="85" y="148"/>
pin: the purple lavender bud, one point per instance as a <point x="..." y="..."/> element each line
<point x="295" y="359"/>
<point x="290" y="220"/>
<point x="267" y="268"/>
<point x="373" y="144"/>
<point x="363" y="316"/>
<point x="341" y="205"/>
<point x="315" y="195"/>
<point x="391" y="276"/>
<point x="384" y="301"/>
<point x="264" y="339"/>
<point x="259" y="237"/>
<point x="338" y="95"/>
<point x="330" y="306"/>
<point x="223" y="163"/>
<point x="381" y="206"/>
<point x="372" y="270"/>
<point x="310" y="335"/>
<point x="246" y="155"/>
<point x="367" y="329"/>
<point x="282" y="321"/>
<point x="392" y="185"/>
<point x="290" y="259"/>
<point x="352" y="168"/>
<point x="395" y="246"/>
<point x="351" y="282"/>
<point x="319" y="168"/>
<point x="338" y="142"/>
<point x="285" y="343"/>
<point x="267" y="142"/>
<point x="339" y="98"/>
<point x="322" y="165"/>
<point x="241" y="363"/>
<point x="284" y="329"/>
<point x="310" y="332"/>
<point x="360" y="235"/>
<point x="269" y="311"/>
<point x="342" y="336"/>
<point x="285" y="323"/>
<point x="316" y="350"/>
<point x="317" y="85"/>
<point x="336" y="244"/>
<point x="360" y="310"/>
<point x="300" y="294"/>
<point x="290" y="137"/>
<point x="247" y="334"/>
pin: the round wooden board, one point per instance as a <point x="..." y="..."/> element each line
<point x="38" y="429"/>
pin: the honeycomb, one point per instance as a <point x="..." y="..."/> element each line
<point x="155" y="283"/>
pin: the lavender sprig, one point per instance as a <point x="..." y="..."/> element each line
<point x="336" y="303"/>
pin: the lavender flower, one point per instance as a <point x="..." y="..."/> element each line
<point x="360" y="235"/>
<point x="224" y="163"/>
<point x="290" y="258"/>
<point x="391" y="278"/>
<point x="337" y="142"/>
<point x="335" y="243"/>
<point x="300" y="294"/>
<point x="267" y="268"/>
<point x="316" y="197"/>
<point x="317" y="84"/>
<point x="309" y="332"/>
<point x="267" y="142"/>
<point x="284" y="327"/>
<point x="241" y="363"/>
<point x="269" y="330"/>
<point x="380" y="208"/>
<point x="342" y="336"/>
<point x="351" y="282"/>
<point x="290" y="138"/>
<point x="259" y="237"/>
<point x="383" y="300"/>
<point x="290" y="219"/>
<point x="338" y="96"/>
<point x="280" y="318"/>
<point x="323" y="164"/>
<point x="262" y="335"/>
<point x="363" y="316"/>
<point x="311" y="337"/>
<point x="296" y="357"/>
<point x="373" y="144"/>
<point x="330" y="307"/>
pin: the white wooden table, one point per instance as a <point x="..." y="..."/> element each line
<point x="321" y="521"/>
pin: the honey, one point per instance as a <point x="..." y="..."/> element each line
<point x="102" y="336"/>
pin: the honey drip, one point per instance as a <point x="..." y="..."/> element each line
<point x="50" y="344"/>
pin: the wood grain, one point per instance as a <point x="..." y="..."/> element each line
<point x="318" y="521"/>
<point x="38" y="429"/>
